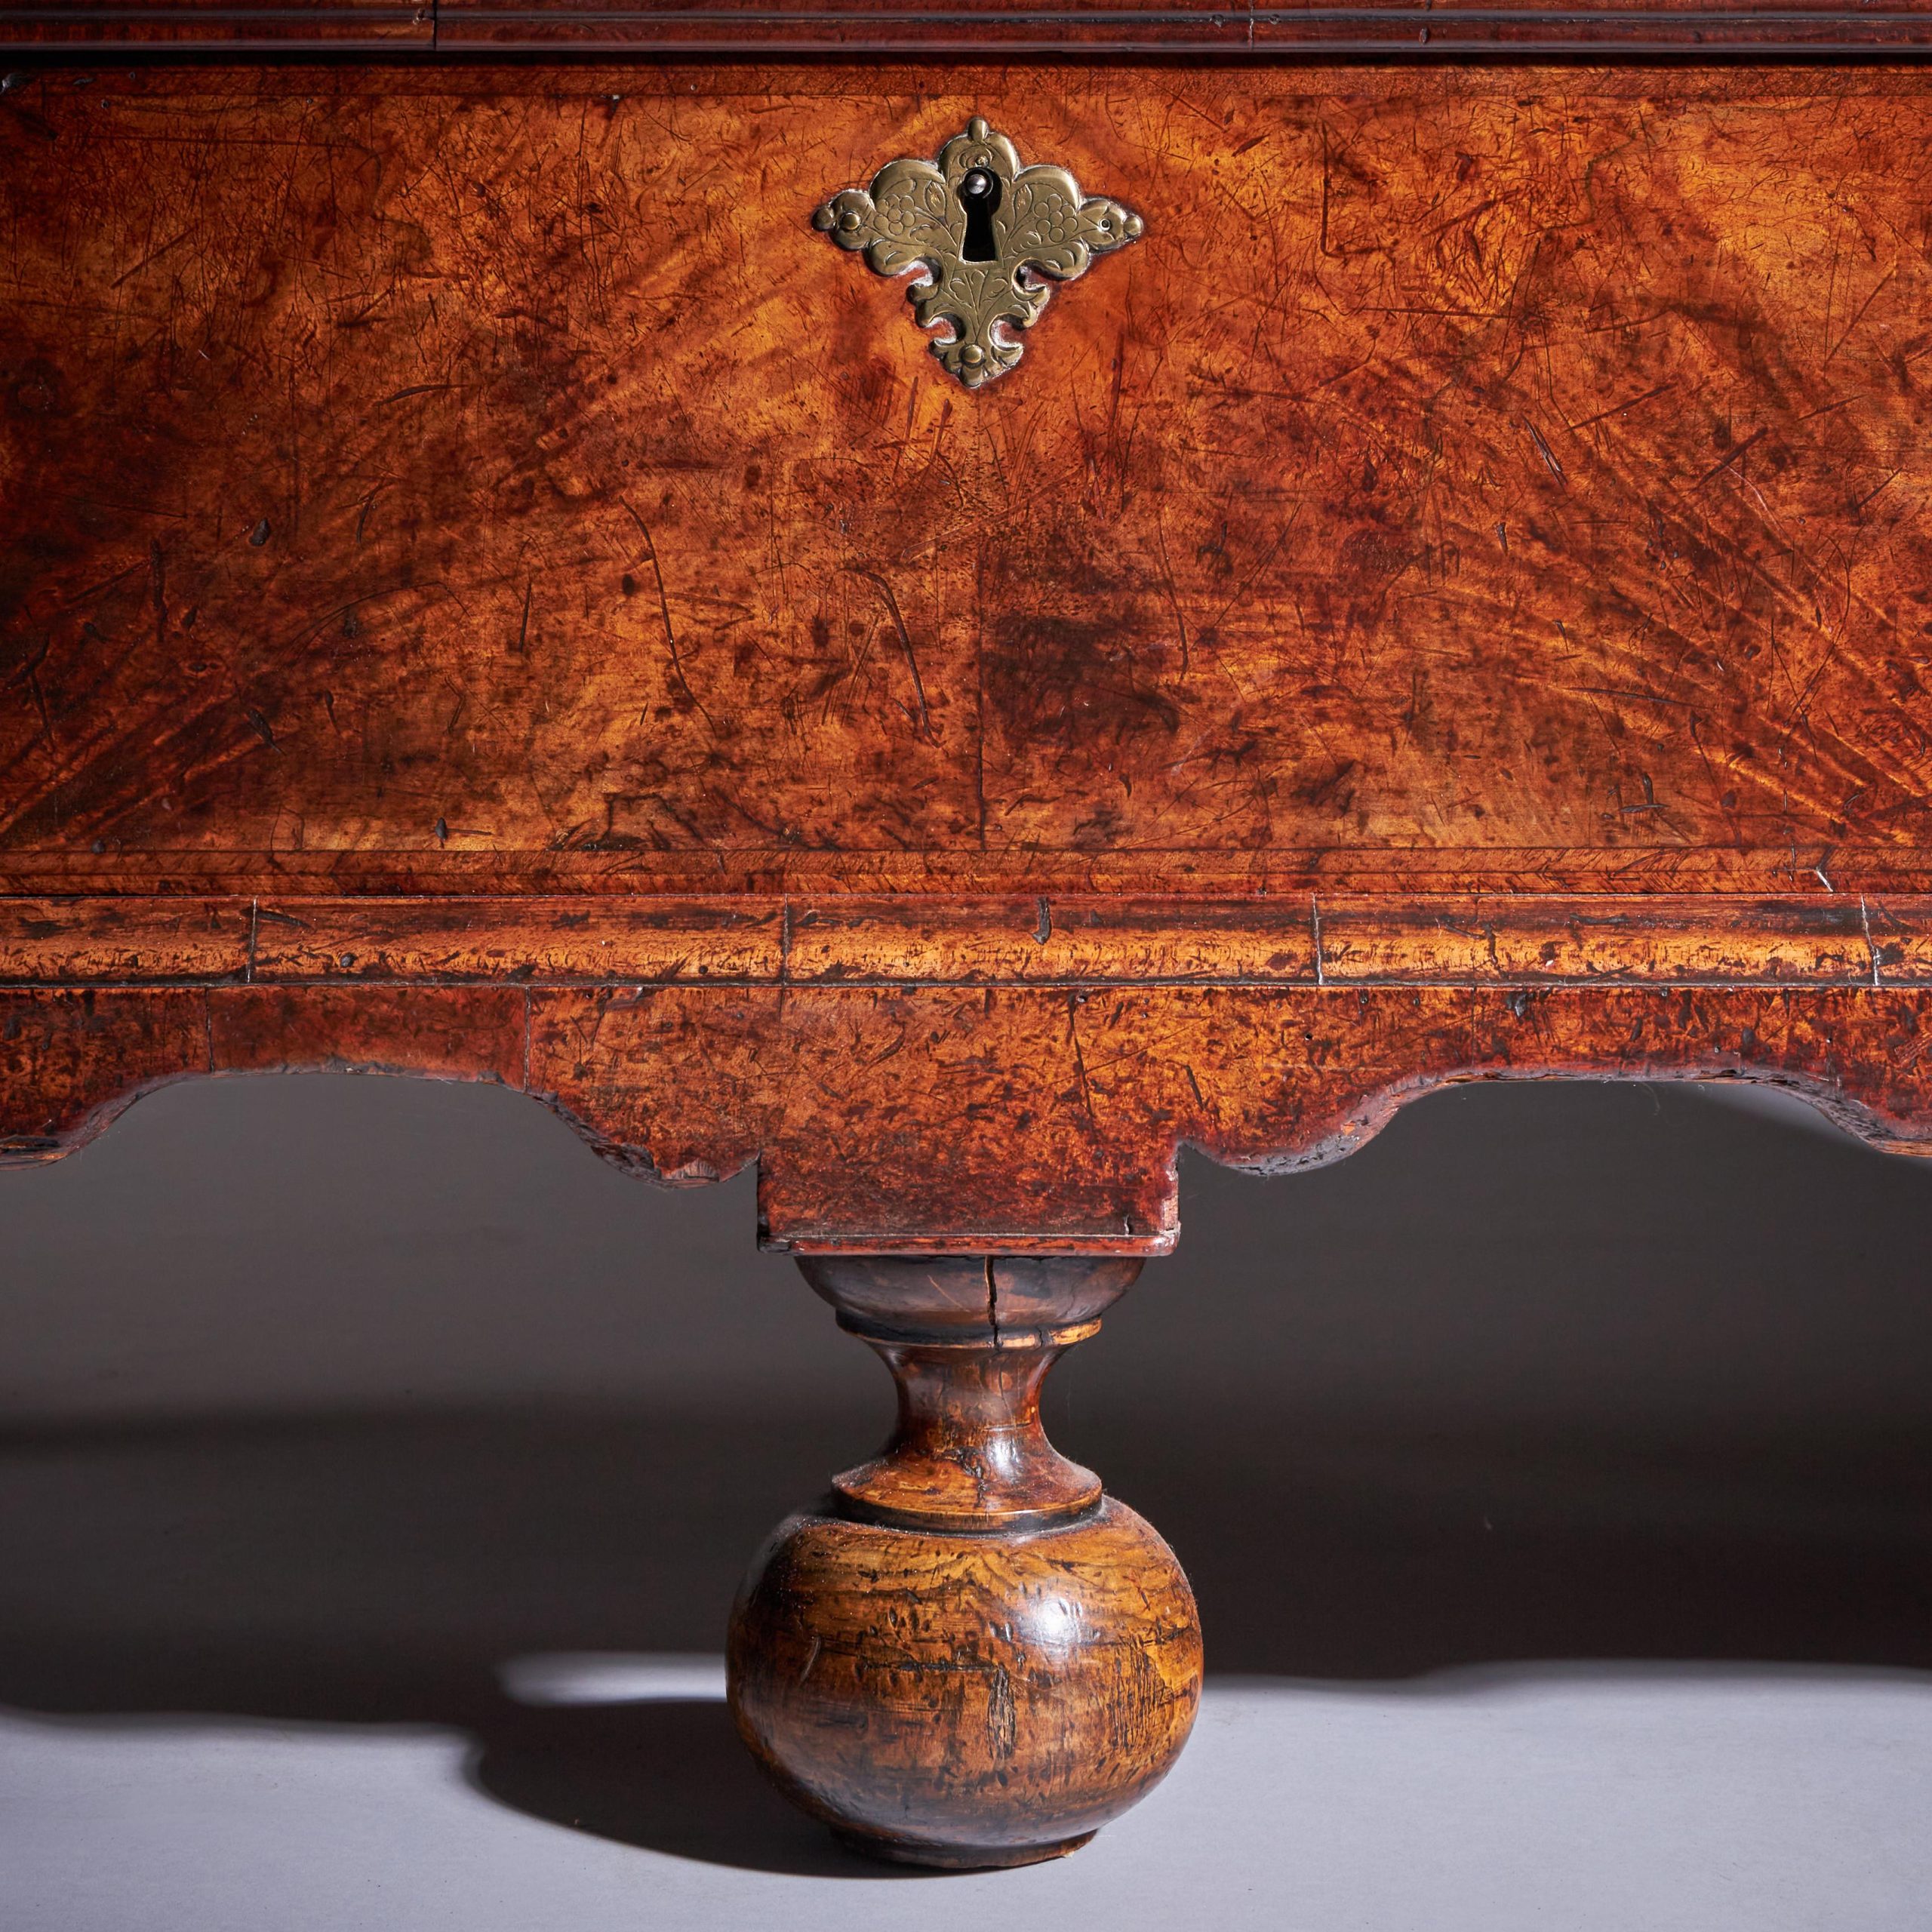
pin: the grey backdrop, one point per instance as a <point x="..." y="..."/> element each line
<point x="322" y="1399"/>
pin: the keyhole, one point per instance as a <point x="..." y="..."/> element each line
<point x="979" y="193"/>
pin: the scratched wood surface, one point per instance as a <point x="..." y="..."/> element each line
<point x="972" y="1119"/>
<point x="490" y="592"/>
<point x="966" y="1654"/>
<point x="1513" y="469"/>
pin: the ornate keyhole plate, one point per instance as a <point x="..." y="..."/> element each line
<point x="992" y="236"/>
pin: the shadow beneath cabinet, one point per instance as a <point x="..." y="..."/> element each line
<point x="1538" y="1375"/>
<point x="387" y="1569"/>
<point x="666" y="1774"/>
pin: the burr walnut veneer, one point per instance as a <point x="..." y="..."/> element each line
<point x="496" y="586"/>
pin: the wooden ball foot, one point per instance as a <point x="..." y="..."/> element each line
<point x="967" y="1655"/>
<point x="956" y="1857"/>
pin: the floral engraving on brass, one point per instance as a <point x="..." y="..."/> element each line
<point x="992" y="236"/>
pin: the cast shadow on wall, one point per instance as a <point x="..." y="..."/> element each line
<point x="325" y="1399"/>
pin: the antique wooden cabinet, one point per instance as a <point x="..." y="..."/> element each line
<point x="1365" y="563"/>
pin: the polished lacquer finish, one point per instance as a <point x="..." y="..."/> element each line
<point x="967" y="1655"/>
<point x="492" y="593"/>
<point x="493" y="590"/>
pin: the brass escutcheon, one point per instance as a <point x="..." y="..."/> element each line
<point x="992" y="236"/>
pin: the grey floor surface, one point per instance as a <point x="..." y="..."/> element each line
<point x="375" y="1467"/>
<point x="1677" y="1801"/>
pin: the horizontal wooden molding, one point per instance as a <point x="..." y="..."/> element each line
<point x="950" y="28"/>
<point x="203" y="26"/>
<point x="855" y="940"/>
<point x="502" y="25"/>
<point x="1393" y="872"/>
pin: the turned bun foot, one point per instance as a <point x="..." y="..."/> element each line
<point x="968" y="1656"/>
<point x="966" y="1701"/>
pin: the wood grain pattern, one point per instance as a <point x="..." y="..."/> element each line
<point x="970" y="1656"/>
<point x="1462" y="467"/>
<point x="52" y="941"/>
<point x="933" y="1119"/>
<point x="492" y="594"/>
<point x="855" y="940"/>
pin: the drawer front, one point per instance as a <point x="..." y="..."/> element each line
<point x="417" y="477"/>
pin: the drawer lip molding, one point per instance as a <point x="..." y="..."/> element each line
<point x="952" y="30"/>
<point x="207" y="27"/>
<point x="1070" y="941"/>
